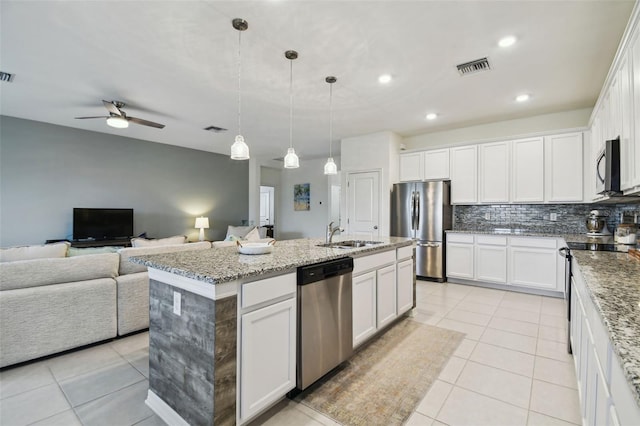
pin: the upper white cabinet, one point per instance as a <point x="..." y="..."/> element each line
<point x="424" y="165"/>
<point x="411" y="166"/>
<point x="493" y="179"/>
<point x="527" y="170"/>
<point x="635" y="113"/>
<point x="626" y="125"/>
<point x="464" y="174"/>
<point x="564" y="167"/>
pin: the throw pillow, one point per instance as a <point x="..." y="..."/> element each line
<point x="239" y="231"/>
<point x="143" y="242"/>
<point x="13" y="254"/>
<point x="253" y="235"/>
<point x="75" y="251"/>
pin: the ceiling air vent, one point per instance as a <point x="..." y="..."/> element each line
<point x="474" y="66"/>
<point x="215" y="129"/>
<point x="5" y="76"/>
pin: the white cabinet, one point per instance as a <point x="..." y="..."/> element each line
<point x="534" y="262"/>
<point x="386" y="295"/>
<point x="424" y="165"/>
<point x="635" y="107"/>
<point x="436" y="164"/>
<point x="364" y="306"/>
<point x="267" y="364"/>
<point x="411" y="166"/>
<point x="626" y="125"/>
<point x="464" y="174"/>
<point x="406" y="274"/>
<point x="460" y="256"/>
<point x="564" y="167"/>
<point x="527" y="170"/>
<point x="491" y="259"/>
<point x="494" y="172"/>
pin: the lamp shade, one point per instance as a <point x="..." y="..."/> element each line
<point x="239" y="149"/>
<point x="330" y="167"/>
<point x="118" y="122"/>
<point x="291" y="160"/>
<point x="202" y="222"/>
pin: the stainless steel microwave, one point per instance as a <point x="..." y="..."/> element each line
<point x="608" y="168"/>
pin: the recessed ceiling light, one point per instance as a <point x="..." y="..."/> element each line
<point x="384" y="78"/>
<point x="432" y="116"/>
<point x="506" y="41"/>
<point x="522" y="98"/>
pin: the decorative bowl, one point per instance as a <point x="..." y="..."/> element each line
<point x="255" y="248"/>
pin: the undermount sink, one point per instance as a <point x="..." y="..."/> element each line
<point x="351" y="244"/>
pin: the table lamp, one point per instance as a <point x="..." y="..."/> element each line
<point x="202" y="223"/>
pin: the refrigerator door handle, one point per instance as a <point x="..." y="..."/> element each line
<point x="430" y="245"/>
<point x="413" y="210"/>
<point x="417" y="211"/>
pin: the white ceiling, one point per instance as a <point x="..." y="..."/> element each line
<point x="175" y="62"/>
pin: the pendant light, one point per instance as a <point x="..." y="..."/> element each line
<point x="239" y="149"/>
<point x="291" y="160"/>
<point x="330" y="168"/>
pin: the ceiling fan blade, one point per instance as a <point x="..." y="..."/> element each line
<point x="146" y="122"/>
<point x="111" y="107"/>
<point x="99" y="116"/>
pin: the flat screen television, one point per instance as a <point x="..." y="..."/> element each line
<point x="102" y="224"/>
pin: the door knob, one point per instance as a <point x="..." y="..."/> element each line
<point x="375" y="226"/>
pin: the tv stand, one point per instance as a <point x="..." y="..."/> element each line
<point x="95" y="243"/>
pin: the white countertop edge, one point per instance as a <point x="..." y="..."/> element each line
<point x="213" y="292"/>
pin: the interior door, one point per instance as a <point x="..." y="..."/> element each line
<point x="266" y="205"/>
<point x="363" y="193"/>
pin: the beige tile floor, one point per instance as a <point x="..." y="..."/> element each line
<point x="511" y="369"/>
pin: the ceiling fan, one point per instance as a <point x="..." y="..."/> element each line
<point x="119" y="119"/>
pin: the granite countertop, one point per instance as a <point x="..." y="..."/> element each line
<point x="219" y="265"/>
<point x="613" y="282"/>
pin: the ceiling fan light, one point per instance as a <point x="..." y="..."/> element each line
<point x="239" y="149"/>
<point x="291" y="160"/>
<point x="330" y="167"/>
<point x="118" y="122"/>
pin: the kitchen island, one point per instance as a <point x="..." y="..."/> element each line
<point x="212" y="319"/>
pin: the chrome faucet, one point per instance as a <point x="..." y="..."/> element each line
<point x="330" y="231"/>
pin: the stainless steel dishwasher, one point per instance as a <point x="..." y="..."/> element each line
<point x="325" y="332"/>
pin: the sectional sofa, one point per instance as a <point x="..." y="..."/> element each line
<point x="52" y="304"/>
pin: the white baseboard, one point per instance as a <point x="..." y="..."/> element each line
<point x="164" y="411"/>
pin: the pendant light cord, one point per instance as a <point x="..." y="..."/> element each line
<point x="330" y="117"/>
<point x="291" y="104"/>
<point x="239" y="86"/>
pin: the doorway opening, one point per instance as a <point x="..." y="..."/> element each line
<point x="267" y="208"/>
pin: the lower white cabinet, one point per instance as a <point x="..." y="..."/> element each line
<point x="534" y="262"/>
<point x="386" y="295"/>
<point x="531" y="262"/>
<point x="405" y="277"/>
<point x="364" y="306"/>
<point x="267" y="364"/>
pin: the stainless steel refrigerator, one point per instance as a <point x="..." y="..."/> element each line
<point x="422" y="211"/>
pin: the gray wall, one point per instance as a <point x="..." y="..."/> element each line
<point x="47" y="170"/>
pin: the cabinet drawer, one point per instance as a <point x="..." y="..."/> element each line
<point x="460" y="238"/>
<point x="404" y="252"/>
<point x="261" y="291"/>
<point x="373" y="261"/>
<point x="491" y="240"/>
<point x="533" y="242"/>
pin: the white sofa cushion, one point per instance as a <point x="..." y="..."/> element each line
<point x="239" y="232"/>
<point x="55" y="250"/>
<point x="127" y="267"/>
<point x="169" y="241"/>
<point x="40" y="272"/>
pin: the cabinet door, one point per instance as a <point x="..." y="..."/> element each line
<point x="460" y="260"/>
<point x="626" y="126"/>
<point x="411" y="166"/>
<point x="364" y="306"/>
<point x="386" y="295"/>
<point x="491" y="263"/>
<point x="635" y="72"/>
<point x="564" y="167"/>
<point x="527" y="170"/>
<point x="268" y="356"/>
<point x="405" y="277"/>
<point x="436" y="164"/>
<point x="534" y="267"/>
<point x="494" y="172"/>
<point x="464" y="175"/>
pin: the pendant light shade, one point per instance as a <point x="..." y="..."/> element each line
<point x="291" y="160"/>
<point x="330" y="168"/>
<point x="239" y="149"/>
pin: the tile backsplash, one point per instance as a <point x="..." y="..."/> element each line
<point x="570" y="218"/>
